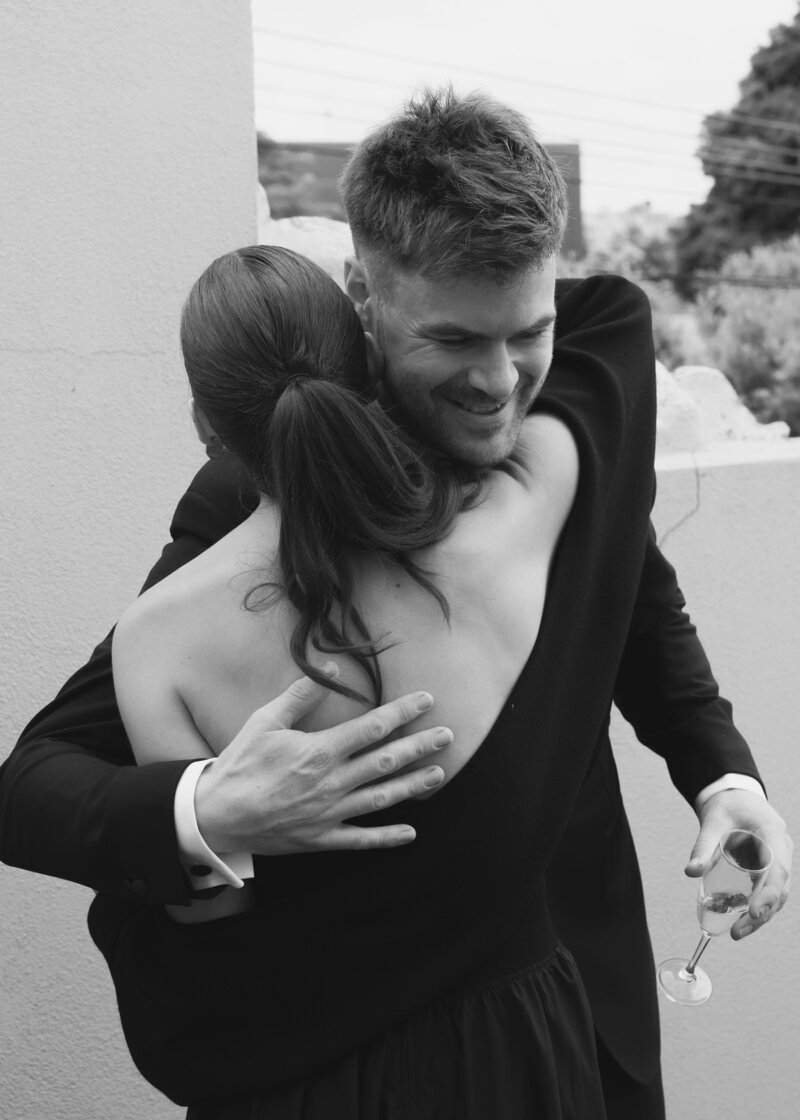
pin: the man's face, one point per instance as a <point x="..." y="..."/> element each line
<point x="465" y="359"/>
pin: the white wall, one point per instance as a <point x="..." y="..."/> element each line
<point x="128" y="163"/>
<point x="729" y="522"/>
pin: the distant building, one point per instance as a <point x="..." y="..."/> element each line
<point x="568" y="158"/>
<point x="300" y="178"/>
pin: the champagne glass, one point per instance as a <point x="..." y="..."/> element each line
<point x="737" y="869"/>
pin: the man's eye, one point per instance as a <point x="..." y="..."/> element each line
<point x="452" y="343"/>
<point x="535" y="336"/>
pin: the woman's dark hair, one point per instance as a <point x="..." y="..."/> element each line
<point x="276" y="358"/>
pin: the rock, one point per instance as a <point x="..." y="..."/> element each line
<point x="723" y="416"/>
<point x="678" y="423"/>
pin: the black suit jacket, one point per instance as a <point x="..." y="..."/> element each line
<point x="72" y="804"/>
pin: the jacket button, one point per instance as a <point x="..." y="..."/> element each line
<point x="138" y="887"/>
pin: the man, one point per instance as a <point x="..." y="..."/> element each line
<point x="70" y="806"/>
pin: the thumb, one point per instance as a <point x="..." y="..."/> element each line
<point x="702" y="852"/>
<point x="301" y="697"/>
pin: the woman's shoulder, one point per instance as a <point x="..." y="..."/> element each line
<point x="547" y="451"/>
<point x="200" y="603"/>
<point x="536" y="487"/>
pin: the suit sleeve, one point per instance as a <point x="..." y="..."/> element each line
<point x="73" y="804"/>
<point x="665" y="687"/>
<point x="667" y="691"/>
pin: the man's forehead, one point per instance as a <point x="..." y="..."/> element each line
<point x="457" y="303"/>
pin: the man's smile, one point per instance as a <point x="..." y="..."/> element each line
<point x="479" y="409"/>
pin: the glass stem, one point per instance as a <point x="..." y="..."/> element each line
<point x="697" y="954"/>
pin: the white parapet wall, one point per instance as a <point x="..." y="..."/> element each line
<point x="728" y="518"/>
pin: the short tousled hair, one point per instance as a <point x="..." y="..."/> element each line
<point x="454" y="186"/>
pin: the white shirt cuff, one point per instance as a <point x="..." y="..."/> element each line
<point x="728" y="781"/>
<point x="204" y="867"/>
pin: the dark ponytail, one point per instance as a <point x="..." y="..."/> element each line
<point x="276" y="358"/>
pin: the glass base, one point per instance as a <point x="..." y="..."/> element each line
<point x="681" y="986"/>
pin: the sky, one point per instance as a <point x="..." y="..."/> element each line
<point x="629" y="80"/>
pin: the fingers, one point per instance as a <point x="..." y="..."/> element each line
<point x="703" y="850"/>
<point x="763" y="906"/>
<point x="391" y="757"/>
<point x="374" y="798"/>
<point x="350" y="838"/>
<point x="374" y="726"/>
<point x="771" y="897"/>
<point x="301" y="697"/>
<point x="743" y="809"/>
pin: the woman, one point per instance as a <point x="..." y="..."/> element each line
<point x="375" y="569"/>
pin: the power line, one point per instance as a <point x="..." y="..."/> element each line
<point x="552" y="113"/>
<point x="381" y="83"/>
<point x="732" y="143"/>
<point x="731" y="165"/>
<point x="752" y="144"/>
<point x="732" y="168"/>
<point x="300" y="147"/>
<point x="778" y="282"/>
<point x="733" y="115"/>
<point x="742" y="174"/>
<point x="743" y="157"/>
<point x="753" y="199"/>
<point x="787" y="180"/>
<point x="338" y="99"/>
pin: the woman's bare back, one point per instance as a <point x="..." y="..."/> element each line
<point x="222" y="662"/>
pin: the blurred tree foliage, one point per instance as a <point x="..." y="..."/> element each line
<point x="754" y="332"/>
<point x="745" y="320"/>
<point x="639" y="243"/>
<point x="753" y="155"/>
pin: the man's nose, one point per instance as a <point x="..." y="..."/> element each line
<point x="496" y="376"/>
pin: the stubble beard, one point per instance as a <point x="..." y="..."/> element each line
<point x="427" y="427"/>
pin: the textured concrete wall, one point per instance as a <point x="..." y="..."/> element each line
<point x="128" y="163"/>
<point x="729" y="522"/>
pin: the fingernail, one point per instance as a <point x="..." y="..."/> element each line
<point x="406" y="836"/>
<point x="433" y="777"/>
<point x="764" y="911"/>
<point x="424" y="701"/>
<point x="745" y="930"/>
<point x="442" y="737"/>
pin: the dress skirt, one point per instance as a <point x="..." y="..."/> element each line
<point x="518" y="1048"/>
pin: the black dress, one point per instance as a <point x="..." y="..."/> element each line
<point x="461" y="913"/>
<point x="516" y="1049"/>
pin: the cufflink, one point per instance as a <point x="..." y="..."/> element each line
<point x="137" y="887"/>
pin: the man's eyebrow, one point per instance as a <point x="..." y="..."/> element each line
<point x="458" y="330"/>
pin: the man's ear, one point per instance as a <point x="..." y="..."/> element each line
<point x="205" y="431"/>
<point x="357" y="286"/>
<point x="375" y="360"/>
<point x="376" y="367"/>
